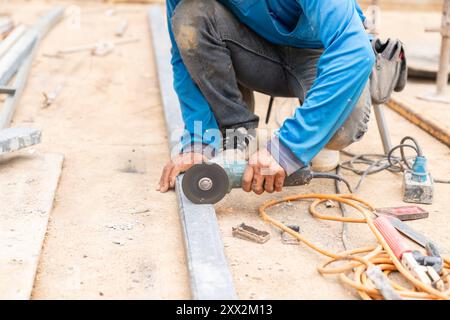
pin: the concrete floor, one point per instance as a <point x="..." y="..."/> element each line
<point x="112" y="236"/>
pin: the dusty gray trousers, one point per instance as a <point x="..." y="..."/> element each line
<point x="228" y="61"/>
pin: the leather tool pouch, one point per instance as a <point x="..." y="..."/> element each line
<point x="390" y="71"/>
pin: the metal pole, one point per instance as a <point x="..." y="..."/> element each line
<point x="12" y="60"/>
<point x="441" y="95"/>
<point x="442" y="76"/>
<point x="9" y="107"/>
<point x="7" y="90"/>
<point x="377" y="108"/>
<point x="383" y="128"/>
<point x="9" y="64"/>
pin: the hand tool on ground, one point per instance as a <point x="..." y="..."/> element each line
<point x="246" y="232"/>
<point x="357" y="267"/>
<point x="410" y="233"/>
<point x="50" y="97"/>
<point x="208" y="183"/>
<point x="286" y="238"/>
<point x="414" y="261"/>
<point x="433" y="257"/>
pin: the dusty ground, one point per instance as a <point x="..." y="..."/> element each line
<point x="112" y="236"/>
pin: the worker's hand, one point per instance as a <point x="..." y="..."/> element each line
<point x="177" y="165"/>
<point x="263" y="173"/>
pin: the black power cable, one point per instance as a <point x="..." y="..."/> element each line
<point x="376" y="163"/>
<point x="336" y="177"/>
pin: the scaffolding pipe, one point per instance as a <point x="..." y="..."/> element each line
<point x="37" y="33"/>
<point x="11" y="39"/>
<point x="15" y="56"/>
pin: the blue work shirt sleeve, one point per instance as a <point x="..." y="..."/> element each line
<point x="342" y="73"/>
<point x="195" y="110"/>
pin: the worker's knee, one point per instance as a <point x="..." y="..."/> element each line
<point x="355" y="126"/>
<point x="189" y="19"/>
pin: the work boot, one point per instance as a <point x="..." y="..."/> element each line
<point x="325" y="160"/>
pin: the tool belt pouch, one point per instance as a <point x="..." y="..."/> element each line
<point x="390" y="71"/>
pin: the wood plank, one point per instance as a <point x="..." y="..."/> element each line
<point x="210" y="277"/>
<point x="420" y="119"/>
<point x="28" y="184"/>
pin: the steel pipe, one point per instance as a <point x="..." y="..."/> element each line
<point x="15" y="56"/>
<point x="23" y="60"/>
<point x="11" y="39"/>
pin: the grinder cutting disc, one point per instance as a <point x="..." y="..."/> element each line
<point x="205" y="183"/>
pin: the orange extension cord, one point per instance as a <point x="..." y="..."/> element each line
<point x="353" y="273"/>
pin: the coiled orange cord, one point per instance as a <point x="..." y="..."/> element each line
<point x="360" y="260"/>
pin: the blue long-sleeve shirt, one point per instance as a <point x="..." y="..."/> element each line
<point x="342" y="71"/>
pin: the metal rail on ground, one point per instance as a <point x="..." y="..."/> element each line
<point x="210" y="277"/>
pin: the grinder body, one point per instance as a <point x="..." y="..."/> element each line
<point x="208" y="183"/>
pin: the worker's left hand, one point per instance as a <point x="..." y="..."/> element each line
<point x="179" y="163"/>
<point x="263" y="173"/>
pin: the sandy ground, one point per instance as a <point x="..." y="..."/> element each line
<point x="112" y="236"/>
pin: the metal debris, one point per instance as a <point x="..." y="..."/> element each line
<point x="246" y="232"/>
<point x="330" y="204"/>
<point x="11" y="39"/>
<point x="50" y="97"/>
<point x="288" y="239"/>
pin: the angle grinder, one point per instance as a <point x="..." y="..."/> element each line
<point x="208" y="183"/>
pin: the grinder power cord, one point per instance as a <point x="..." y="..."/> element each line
<point x="368" y="270"/>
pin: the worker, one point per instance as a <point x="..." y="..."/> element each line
<point x="224" y="50"/>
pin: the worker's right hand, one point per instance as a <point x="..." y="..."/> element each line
<point x="263" y="173"/>
<point x="180" y="163"/>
